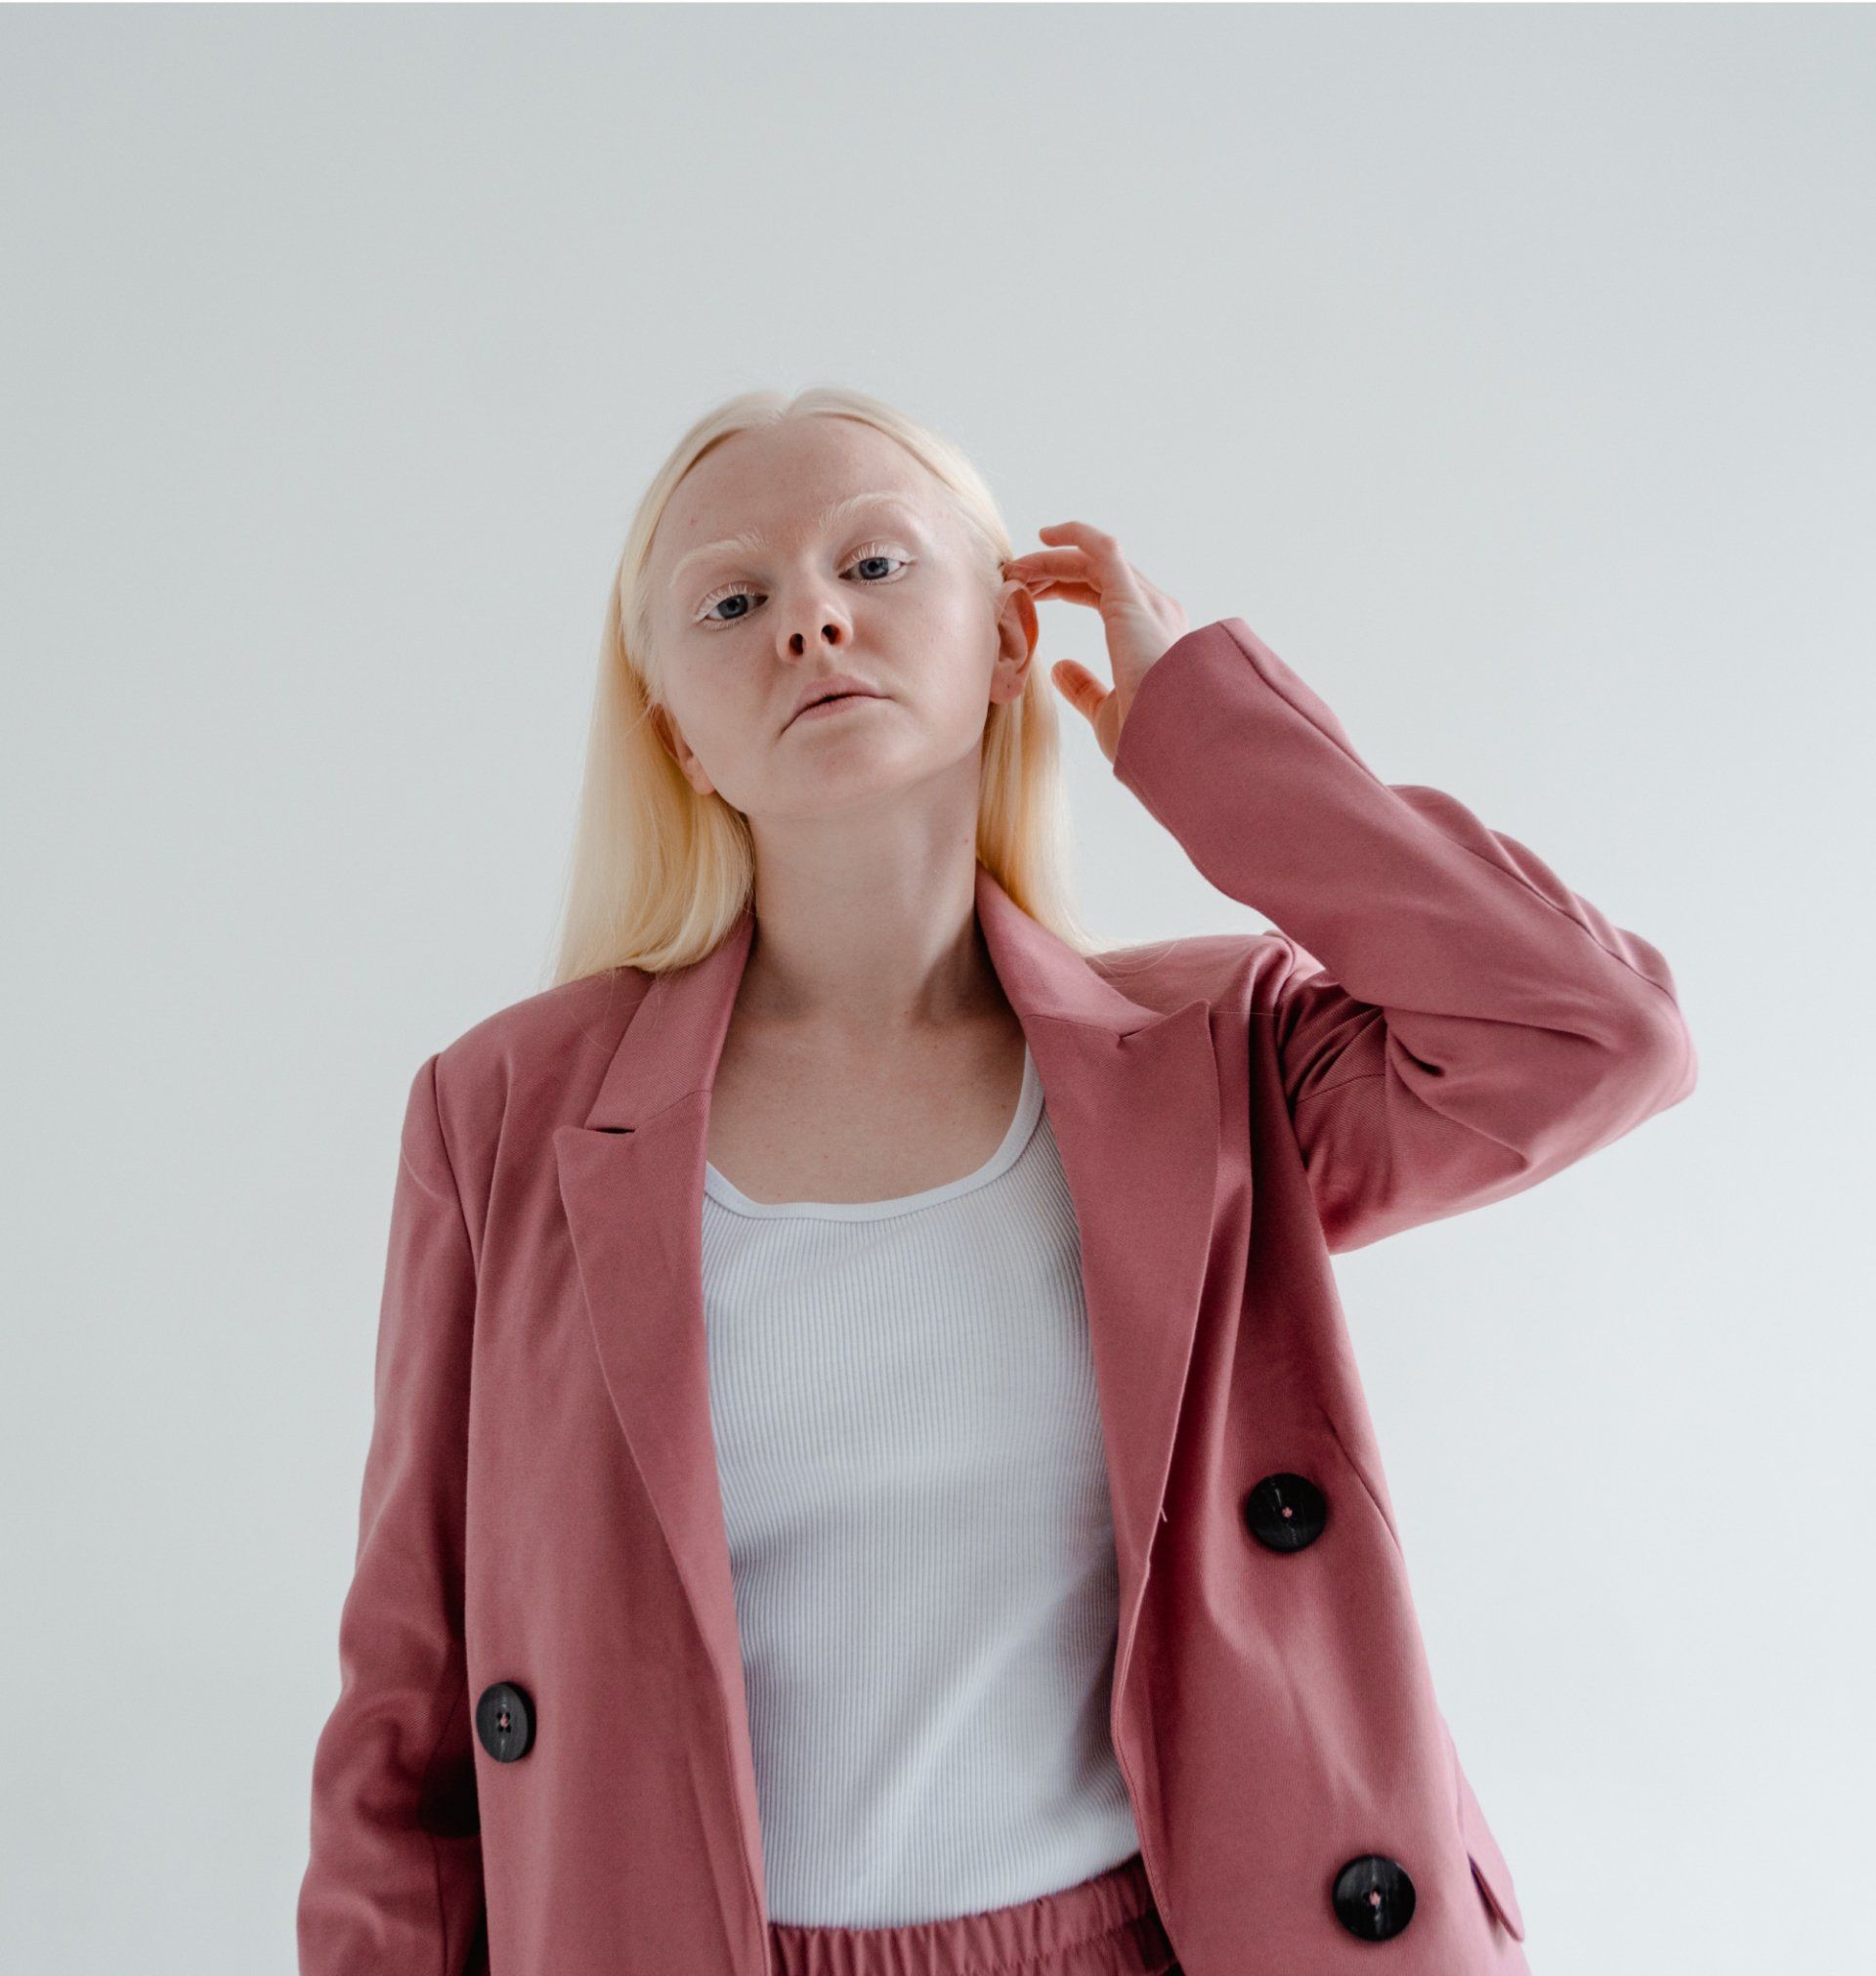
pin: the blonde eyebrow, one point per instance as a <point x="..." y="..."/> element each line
<point x="751" y="541"/>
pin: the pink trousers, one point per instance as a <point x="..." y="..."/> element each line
<point x="1107" y="1926"/>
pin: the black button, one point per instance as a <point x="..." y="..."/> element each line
<point x="505" y="1722"/>
<point x="1286" y="1512"/>
<point x="1374" y="1897"/>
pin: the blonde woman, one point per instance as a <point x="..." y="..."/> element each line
<point x="868" y="1475"/>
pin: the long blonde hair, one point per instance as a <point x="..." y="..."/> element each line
<point x="659" y="873"/>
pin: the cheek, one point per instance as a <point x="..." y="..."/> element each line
<point x="718" y="698"/>
<point x="962" y="691"/>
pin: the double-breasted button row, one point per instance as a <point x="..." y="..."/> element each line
<point x="1372" y="1894"/>
<point x="505" y="1721"/>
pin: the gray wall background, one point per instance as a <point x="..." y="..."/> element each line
<point x="1507" y="368"/>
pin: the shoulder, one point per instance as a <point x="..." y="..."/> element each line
<point x="535" y="1056"/>
<point x="1237" y="973"/>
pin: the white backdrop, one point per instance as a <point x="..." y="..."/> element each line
<point x="1508" y="370"/>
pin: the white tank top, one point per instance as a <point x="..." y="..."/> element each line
<point x="909" y="1449"/>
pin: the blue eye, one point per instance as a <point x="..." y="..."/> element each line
<point x="737" y="593"/>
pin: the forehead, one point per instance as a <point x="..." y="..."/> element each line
<point x="774" y="488"/>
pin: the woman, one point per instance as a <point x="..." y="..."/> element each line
<point x="868" y="1475"/>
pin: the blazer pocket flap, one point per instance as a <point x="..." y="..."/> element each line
<point x="1493" y="1875"/>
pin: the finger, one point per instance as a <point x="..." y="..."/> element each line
<point x="1079" y="686"/>
<point x="1061" y="573"/>
<point x="1051" y="562"/>
<point x="1095" y="540"/>
<point x="1109" y="567"/>
<point x="1060" y="591"/>
<point x="1101" y="548"/>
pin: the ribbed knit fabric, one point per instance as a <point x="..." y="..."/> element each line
<point x="909" y="1449"/>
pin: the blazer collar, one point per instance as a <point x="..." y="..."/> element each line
<point x="671" y="1046"/>
<point x="1131" y="1096"/>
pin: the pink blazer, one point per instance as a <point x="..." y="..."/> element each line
<point x="538" y="1763"/>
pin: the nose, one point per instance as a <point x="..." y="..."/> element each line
<point x="814" y="616"/>
<point x="830" y="632"/>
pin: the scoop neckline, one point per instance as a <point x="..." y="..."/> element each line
<point x="1016" y="1135"/>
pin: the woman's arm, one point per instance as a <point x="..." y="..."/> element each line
<point x="393" y="1882"/>
<point x="1473" y="1025"/>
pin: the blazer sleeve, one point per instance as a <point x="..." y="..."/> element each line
<point x="394" y="1882"/>
<point x="1473" y="1025"/>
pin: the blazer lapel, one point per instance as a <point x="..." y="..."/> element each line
<point x="1132" y="1098"/>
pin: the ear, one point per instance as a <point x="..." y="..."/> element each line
<point x="1017" y="633"/>
<point x="671" y="737"/>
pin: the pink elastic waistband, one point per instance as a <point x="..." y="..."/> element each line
<point x="1107" y="1926"/>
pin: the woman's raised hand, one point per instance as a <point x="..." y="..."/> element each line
<point x="1140" y="619"/>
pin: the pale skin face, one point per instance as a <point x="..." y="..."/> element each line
<point x="890" y="592"/>
<point x="864" y="818"/>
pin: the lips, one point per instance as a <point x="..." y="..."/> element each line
<point x="831" y="699"/>
<point x="830" y="690"/>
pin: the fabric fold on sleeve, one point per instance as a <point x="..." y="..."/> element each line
<point x="1452" y="1022"/>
